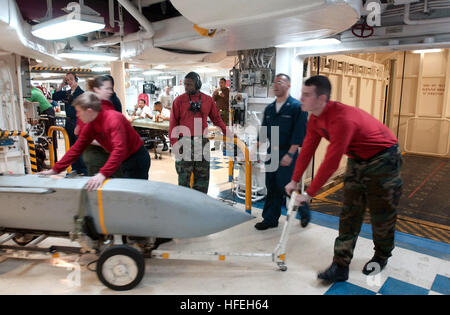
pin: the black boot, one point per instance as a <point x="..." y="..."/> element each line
<point x="264" y="225"/>
<point x="305" y="214"/>
<point x="334" y="273"/>
<point x="376" y="265"/>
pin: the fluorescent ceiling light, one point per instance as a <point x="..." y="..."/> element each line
<point x="69" y="25"/>
<point x="165" y="77"/>
<point x="205" y="70"/>
<point x="310" y="43"/>
<point x="151" y="72"/>
<point x="87" y="55"/>
<point x="50" y="75"/>
<point x="436" y="50"/>
<point x="160" y="67"/>
<point x="50" y="81"/>
<point x="101" y="69"/>
<point x="65" y="29"/>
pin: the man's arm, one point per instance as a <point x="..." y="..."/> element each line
<point x="214" y="115"/>
<point x="297" y="137"/>
<point x="32" y="98"/>
<point x="135" y="109"/>
<point x="309" y="147"/>
<point x="341" y="133"/>
<point x="299" y="132"/>
<point x="174" y="119"/>
<point x="226" y="95"/>
<point x="59" y="95"/>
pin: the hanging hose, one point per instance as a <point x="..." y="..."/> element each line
<point x="30" y="141"/>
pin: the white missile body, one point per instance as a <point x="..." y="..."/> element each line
<point x="129" y="207"/>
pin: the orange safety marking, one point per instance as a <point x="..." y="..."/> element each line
<point x="100" y="208"/>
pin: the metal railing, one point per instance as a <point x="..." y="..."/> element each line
<point x="50" y="146"/>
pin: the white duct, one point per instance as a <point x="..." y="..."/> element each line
<point x="408" y="21"/>
<point x="113" y="40"/>
<point x="17" y="37"/>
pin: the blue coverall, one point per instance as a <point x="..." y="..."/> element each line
<point x="291" y="121"/>
<point x="71" y="121"/>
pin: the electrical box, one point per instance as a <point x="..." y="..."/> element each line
<point x="234" y="74"/>
<point x="247" y="77"/>
<point x="263" y="77"/>
<point x="25" y="77"/>
<point x="260" y="90"/>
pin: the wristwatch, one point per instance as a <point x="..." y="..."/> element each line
<point x="307" y="196"/>
<point x="291" y="155"/>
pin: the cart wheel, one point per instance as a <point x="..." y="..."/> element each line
<point x="121" y="267"/>
<point x="24" y="239"/>
<point x="282" y="267"/>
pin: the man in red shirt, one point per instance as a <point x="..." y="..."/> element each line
<point x="115" y="134"/>
<point x="188" y="131"/>
<point x="372" y="177"/>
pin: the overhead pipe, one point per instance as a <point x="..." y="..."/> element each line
<point x="111" y="14"/>
<point x="408" y="21"/>
<point x="143" y="21"/>
<point x="49" y="13"/>
<point x="148" y="32"/>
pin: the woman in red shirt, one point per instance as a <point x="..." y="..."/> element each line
<point x="95" y="156"/>
<point x="115" y="134"/>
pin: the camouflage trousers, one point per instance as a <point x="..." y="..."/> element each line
<point x="225" y="115"/>
<point x="95" y="158"/>
<point x="194" y="162"/>
<point x="377" y="184"/>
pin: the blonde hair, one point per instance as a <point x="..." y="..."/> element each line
<point x="88" y="100"/>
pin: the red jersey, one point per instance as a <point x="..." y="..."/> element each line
<point x="114" y="133"/>
<point x="106" y="105"/>
<point x="350" y="131"/>
<point x="182" y="117"/>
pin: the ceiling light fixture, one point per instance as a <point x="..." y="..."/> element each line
<point x="69" y="53"/>
<point x="205" y="70"/>
<point x="101" y="69"/>
<point x="425" y="51"/>
<point x="152" y="72"/>
<point x="165" y="77"/>
<point x="311" y="43"/>
<point x="69" y="25"/>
